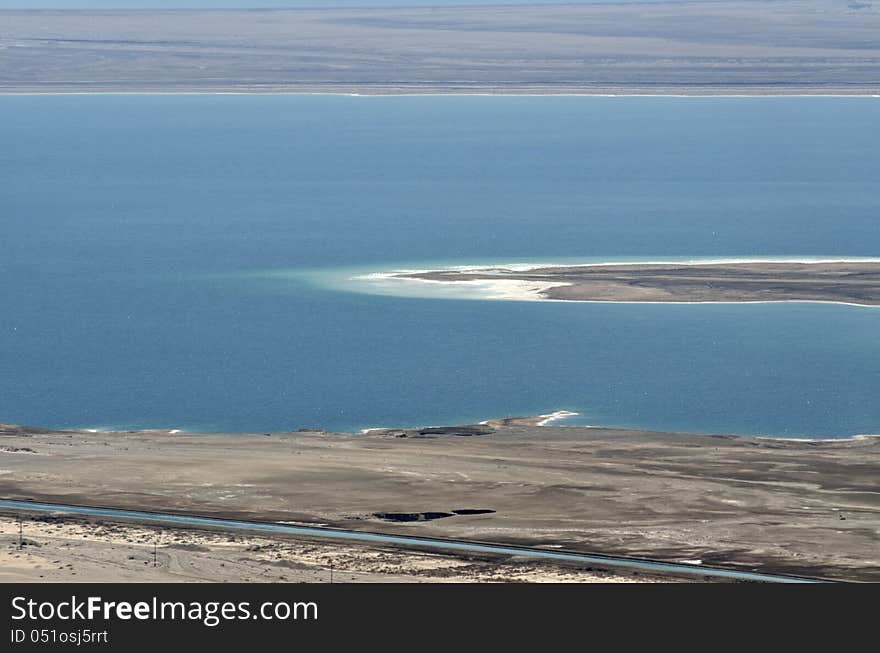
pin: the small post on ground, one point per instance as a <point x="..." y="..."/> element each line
<point x="155" y="546"/>
<point x="20" y="534"/>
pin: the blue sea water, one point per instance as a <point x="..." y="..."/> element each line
<point x="172" y="261"/>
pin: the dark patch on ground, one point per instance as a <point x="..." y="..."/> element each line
<point x="411" y="516"/>
<point x="464" y="431"/>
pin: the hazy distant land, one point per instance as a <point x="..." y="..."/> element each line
<point x="843" y="282"/>
<point x="738" y="47"/>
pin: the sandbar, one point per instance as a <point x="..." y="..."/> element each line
<point x="854" y="282"/>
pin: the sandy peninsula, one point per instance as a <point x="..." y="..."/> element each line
<point x="846" y="282"/>
<point x="807" y="508"/>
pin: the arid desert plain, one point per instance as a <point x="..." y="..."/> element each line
<point x="807" y="508"/>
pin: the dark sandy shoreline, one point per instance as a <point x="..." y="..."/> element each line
<point x="845" y="282"/>
<point x="798" y="507"/>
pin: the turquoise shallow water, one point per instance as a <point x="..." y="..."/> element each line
<point x="181" y="261"/>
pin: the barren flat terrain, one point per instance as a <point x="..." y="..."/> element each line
<point x="65" y="549"/>
<point x="802" y="46"/>
<point x="844" y="282"/>
<point x="801" y="507"/>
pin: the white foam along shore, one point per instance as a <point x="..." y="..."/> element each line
<point x="543" y="421"/>
<point x="849" y="438"/>
<point x="553" y="417"/>
<point x="506" y="289"/>
<point x="113" y="429"/>
<point x="395" y="282"/>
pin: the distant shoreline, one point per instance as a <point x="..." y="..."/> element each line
<point x="485" y="427"/>
<point x="665" y="48"/>
<point x="446" y="93"/>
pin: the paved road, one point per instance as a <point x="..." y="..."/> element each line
<point x="405" y="541"/>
